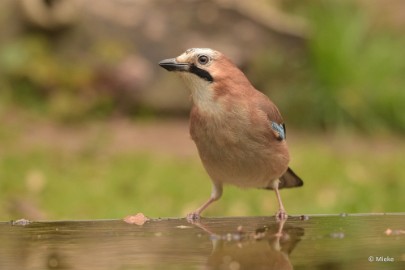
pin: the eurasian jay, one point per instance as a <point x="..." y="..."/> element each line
<point x="239" y="132"/>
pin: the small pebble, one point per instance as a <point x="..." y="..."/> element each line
<point x="394" y="232"/>
<point x="183" y="227"/>
<point x="304" y="217"/>
<point x="20" y="222"/>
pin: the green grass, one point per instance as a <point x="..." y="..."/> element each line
<point x="342" y="173"/>
<point x="347" y="75"/>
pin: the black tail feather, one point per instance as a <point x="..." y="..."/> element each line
<point x="289" y="180"/>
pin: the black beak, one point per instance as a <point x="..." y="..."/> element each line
<point x="172" y="65"/>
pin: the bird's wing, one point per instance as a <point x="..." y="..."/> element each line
<point x="276" y="121"/>
<point x="279" y="130"/>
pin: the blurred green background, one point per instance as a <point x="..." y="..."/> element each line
<point x="92" y="128"/>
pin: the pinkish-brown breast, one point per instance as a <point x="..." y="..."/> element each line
<point x="237" y="146"/>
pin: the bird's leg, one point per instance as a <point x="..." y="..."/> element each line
<point x="281" y="213"/>
<point x="216" y="193"/>
<point x="280" y="228"/>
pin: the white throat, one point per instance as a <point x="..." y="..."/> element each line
<point x="202" y="93"/>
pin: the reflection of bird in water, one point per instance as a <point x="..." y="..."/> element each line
<point x="267" y="247"/>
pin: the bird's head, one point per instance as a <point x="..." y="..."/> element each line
<point x="208" y="74"/>
<point x="197" y="62"/>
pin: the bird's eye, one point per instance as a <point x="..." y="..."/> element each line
<point x="203" y="59"/>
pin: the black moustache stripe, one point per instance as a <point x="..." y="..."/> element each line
<point x="201" y="73"/>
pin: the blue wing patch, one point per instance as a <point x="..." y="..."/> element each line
<point x="279" y="130"/>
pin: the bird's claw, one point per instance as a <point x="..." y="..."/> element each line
<point x="281" y="215"/>
<point x="193" y="217"/>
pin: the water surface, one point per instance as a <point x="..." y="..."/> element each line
<point x="306" y="242"/>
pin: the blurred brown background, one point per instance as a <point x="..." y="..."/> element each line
<point x="84" y="104"/>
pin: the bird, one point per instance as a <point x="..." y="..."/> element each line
<point x="239" y="132"/>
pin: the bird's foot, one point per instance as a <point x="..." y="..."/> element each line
<point x="281" y="215"/>
<point x="193" y="217"/>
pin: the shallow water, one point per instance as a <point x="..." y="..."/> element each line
<point x="313" y="242"/>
